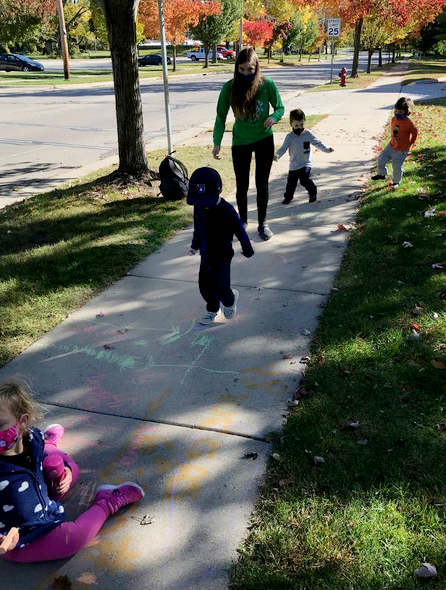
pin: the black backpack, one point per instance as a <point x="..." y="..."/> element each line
<point x="174" y="180"/>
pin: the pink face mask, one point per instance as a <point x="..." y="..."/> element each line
<point x="9" y="437"/>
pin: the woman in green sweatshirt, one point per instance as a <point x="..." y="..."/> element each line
<point x="250" y="95"/>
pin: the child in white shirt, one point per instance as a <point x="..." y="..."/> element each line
<point x="299" y="143"/>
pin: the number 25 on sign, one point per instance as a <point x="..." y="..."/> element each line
<point x="334" y="27"/>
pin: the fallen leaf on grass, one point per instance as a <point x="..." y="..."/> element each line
<point x="407" y="245"/>
<point x="292" y="402"/>
<point x="286" y="481"/>
<point x="276" y="457"/>
<point x="417" y="310"/>
<point x="437" y="265"/>
<point x="362" y="441"/>
<point x="416" y="326"/>
<point x="318" y="460"/>
<point x="438" y="364"/>
<point x="341" y="227"/>
<point x="427" y="570"/>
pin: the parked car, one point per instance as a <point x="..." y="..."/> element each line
<point x="154" y="59"/>
<point x="200" y="54"/>
<point x="13" y="62"/>
<point x="225" y="52"/>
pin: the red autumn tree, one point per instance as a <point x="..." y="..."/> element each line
<point x="257" y="32"/>
<point x="179" y="16"/>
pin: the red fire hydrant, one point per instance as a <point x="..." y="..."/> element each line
<point x="343" y="75"/>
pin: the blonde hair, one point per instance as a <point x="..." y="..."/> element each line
<point x="15" y="395"/>
<point x="243" y="98"/>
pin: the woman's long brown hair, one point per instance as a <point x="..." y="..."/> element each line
<point x="243" y="96"/>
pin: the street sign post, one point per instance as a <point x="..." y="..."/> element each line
<point x="333" y="30"/>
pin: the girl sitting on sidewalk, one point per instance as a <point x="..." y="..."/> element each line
<point x="27" y="498"/>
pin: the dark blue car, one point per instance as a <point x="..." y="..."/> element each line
<point x="13" y="62"/>
<point x="154" y="59"/>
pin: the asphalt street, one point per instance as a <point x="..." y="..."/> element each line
<point x="47" y="134"/>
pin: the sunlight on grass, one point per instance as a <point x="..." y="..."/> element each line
<point x="372" y="405"/>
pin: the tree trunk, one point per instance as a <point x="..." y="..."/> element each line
<point x="121" y="26"/>
<point x="357" y="44"/>
<point x="174" y="58"/>
<point x="380" y="57"/>
<point x="369" y="60"/>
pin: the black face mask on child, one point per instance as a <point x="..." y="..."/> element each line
<point x="298" y="131"/>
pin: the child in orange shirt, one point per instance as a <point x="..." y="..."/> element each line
<point x="404" y="134"/>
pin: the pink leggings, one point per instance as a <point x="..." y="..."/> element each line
<point x="69" y="537"/>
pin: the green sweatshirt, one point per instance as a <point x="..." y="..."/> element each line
<point x="249" y="130"/>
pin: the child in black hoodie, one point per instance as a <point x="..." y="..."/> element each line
<point x="216" y="222"/>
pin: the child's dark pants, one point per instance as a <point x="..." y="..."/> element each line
<point x="214" y="282"/>
<point x="303" y="176"/>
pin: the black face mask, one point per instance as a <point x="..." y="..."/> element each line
<point x="247" y="78"/>
<point x="298" y="131"/>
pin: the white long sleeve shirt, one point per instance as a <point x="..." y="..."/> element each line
<point x="300" y="150"/>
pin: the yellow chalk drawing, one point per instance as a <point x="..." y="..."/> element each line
<point x="265" y="379"/>
<point x="163" y="465"/>
<point x="186" y="482"/>
<point x="221" y="416"/>
<point x="153" y="406"/>
<point x="198" y="449"/>
<point x="152" y="443"/>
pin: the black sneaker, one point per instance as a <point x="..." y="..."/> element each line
<point x="264" y="232"/>
<point x="312" y="198"/>
<point x="287" y="201"/>
<point x="378" y="177"/>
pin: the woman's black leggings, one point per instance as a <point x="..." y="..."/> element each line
<point x="241" y="159"/>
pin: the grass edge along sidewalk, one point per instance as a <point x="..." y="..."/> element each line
<point x="356" y="496"/>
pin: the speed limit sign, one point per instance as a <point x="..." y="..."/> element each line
<point x="334" y="27"/>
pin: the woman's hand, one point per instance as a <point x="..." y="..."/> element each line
<point x="269" y="122"/>
<point x="216" y="152"/>
<point x="65" y="484"/>
<point x="191" y="252"/>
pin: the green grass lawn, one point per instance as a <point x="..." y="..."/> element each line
<point x="60" y="248"/>
<point x="372" y="405"/>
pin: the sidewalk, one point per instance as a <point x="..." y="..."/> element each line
<point x="146" y="394"/>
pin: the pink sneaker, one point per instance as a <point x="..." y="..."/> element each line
<point x="119" y="496"/>
<point x="53" y="433"/>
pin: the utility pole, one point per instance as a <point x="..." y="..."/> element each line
<point x="165" y="75"/>
<point x="63" y="39"/>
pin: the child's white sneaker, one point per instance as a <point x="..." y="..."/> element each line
<point x="208" y="318"/>
<point x="230" y="311"/>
